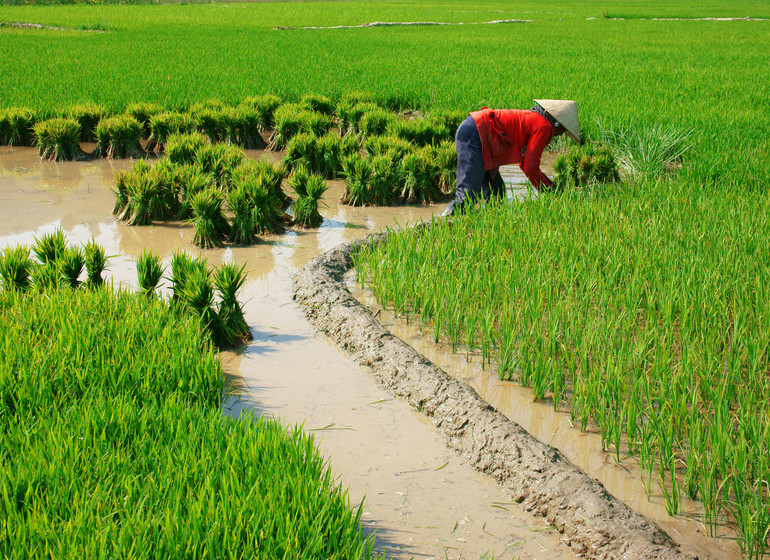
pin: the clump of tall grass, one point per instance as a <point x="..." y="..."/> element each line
<point x="647" y="151"/>
<point x="142" y="112"/>
<point x="211" y="227"/>
<point x="309" y="188"/>
<point x="181" y="148"/>
<point x="58" y="139"/>
<point x="149" y="270"/>
<point x="16" y="268"/>
<point x="166" y="124"/>
<point x="583" y="165"/>
<point x="118" y="137"/>
<point x="16" y="126"/>
<point x="88" y="116"/>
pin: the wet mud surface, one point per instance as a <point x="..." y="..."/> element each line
<point x="421" y="498"/>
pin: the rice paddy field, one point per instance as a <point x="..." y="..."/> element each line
<point x="641" y="307"/>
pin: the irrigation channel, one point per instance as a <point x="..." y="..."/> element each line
<point x="422" y="499"/>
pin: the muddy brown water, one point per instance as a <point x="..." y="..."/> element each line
<point x="422" y="499"/>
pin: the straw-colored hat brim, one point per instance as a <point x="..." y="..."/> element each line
<point x="565" y="112"/>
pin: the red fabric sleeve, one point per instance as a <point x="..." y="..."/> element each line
<point x="531" y="163"/>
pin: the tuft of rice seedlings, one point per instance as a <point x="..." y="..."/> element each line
<point x="357" y="171"/>
<point x="249" y="121"/>
<point x="122" y="179"/>
<point x="242" y="227"/>
<point x="71" y="266"/>
<point x="149" y="271"/>
<point x="96" y="263"/>
<point x="143" y="112"/>
<point x="302" y="150"/>
<point x="143" y="201"/>
<point x="309" y="188"/>
<point x="316" y="123"/>
<point x="164" y="125"/>
<point x="58" y="139"/>
<point x="317" y="103"/>
<point x="583" y="165"/>
<point x="16" y="126"/>
<point x="379" y="145"/>
<point x="420" y="183"/>
<point x="332" y="149"/>
<point x="228" y="280"/>
<point x="181" y="265"/>
<point x="16" y="268"/>
<point x="376" y="122"/>
<point x="181" y="148"/>
<point x="46" y="277"/>
<point x="211" y="227"/>
<point x="167" y="178"/>
<point x="449" y="119"/>
<point x="218" y="124"/>
<point x="419" y="132"/>
<point x="50" y="248"/>
<point x="265" y="105"/>
<point x="118" y="137"/>
<point x="88" y="116"/>
<point x="191" y="180"/>
<point x="258" y="183"/>
<point x="219" y="160"/>
<point x="349" y="111"/>
<point x="197" y="296"/>
<point x="289" y="119"/>
<point x="386" y="179"/>
<point x="446" y="161"/>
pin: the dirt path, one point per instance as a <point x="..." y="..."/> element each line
<point x="423" y="499"/>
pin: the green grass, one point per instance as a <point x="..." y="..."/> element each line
<point x="114" y="444"/>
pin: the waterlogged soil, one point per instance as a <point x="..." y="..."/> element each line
<point x="423" y="500"/>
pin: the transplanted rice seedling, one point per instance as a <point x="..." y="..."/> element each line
<point x="420" y="178"/>
<point x="16" y="268"/>
<point x="143" y="112"/>
<point x="302" y="150"/>
<point x="291" y="119"/>
<point x="272" y="176"/>
<point x="379" y="145"/>
<point x="386" y="179"/>
<point x="419" y="131"/>
<point x="50" y="248"/>
<point x="136" y="195"/>
<point x="445" y="157"/>
<point x="118" y="137"/>
<point x="16" y="126"/>
<point x="317" y="103"/>
<point x="164" y="125"/>
<point x="88" y="116"/>
<point x="309" y="188"/>
<point x="59" y="139"/>
<point x="587" y="164"/>
<point x="249" y="122"/>
<point x="376" y="122"/>
<point x="242" y="228"/>
<point x="258" y="184"/>
<point x="218" y="124"/>
<point x="265" y="105"/>
<point x="219" y="160"/>
<point x="96" y="263"/>
<point x="211" y="227"/>
<point x="228" y="280"/>
<point x="149" y="271"/>
<point x="181" y="148"/>
<point x="449" y="119"/>
<point x="71" y="266"/>
<point x="357" y="171"/>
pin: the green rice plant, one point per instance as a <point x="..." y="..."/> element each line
<point x="167" y="124"/>
<point x="289" y="120"/>
<point x="50" y="248"/>
<point x="316" y="123"/>
<point x="386" y="179"/>
<point x="420" y="178"/>
<point x="449" y="119"/>
<point x="648" y="151"/>
<point x="16" y="268"/>
<point x="420" y="132"/>
<point x="302" y="150"/>
<point x="265" y="105"/>
<point x="16" y="126"/>
<point x="349" y="112"/>
<point x="58" y="139"/>
<point x="219" y="160"/>
<point x="118" y="137"/>
<point x="96" y="263"/>
<point x="71" y="266"/>
<point x="583" y="165"/>
<point x="190" y="180"/>
<point x="317" y="103"/>
<point x="181" y="265"/>
<point x="357" y="171"/>
<point x="197" y="296"/>
<point x="46" y="278"/>
<point x="446" y="162"/>
<point x="149" y="271"/>
<point x="142" y="112"/>
<point x="379" y="145"/>
<point x="88" y="116"/>
<point x="376" y="122"/>
<point x="242" y="227"/>
<point x="272" y="176"/>
<point x="169" y="179"/>
<point x="249" y="121"/>
<point x="257" y="182"/>
<point x="211" y="227"/>
<point x="142" y="195"/>
<point x="228" y="280"/>
<point x="331" y="150"/>
<point x="181" y="148"/>
<point x="218" y="124"/>
<point x="309" y="188"/>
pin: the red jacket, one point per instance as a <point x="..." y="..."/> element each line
<point x="505" y="132"/>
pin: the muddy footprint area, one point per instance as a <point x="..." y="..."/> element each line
<point x="421" y="499"/>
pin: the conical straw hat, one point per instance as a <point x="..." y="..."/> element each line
<point x="565" y="112"/>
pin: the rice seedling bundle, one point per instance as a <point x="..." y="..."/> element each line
<point x="289" y="119"/>
<point x="16" y="126"/>
<point x="219" y="160"/>
<point x="376" y="122"/>
<point x="96" y="263"/>
<point x="189" y="180"/>
<point x="218" y="124"/>
<point x="309" y="188"/>
<point x="228" y="279"/>
<point x="16" y="268"/>
<point x="386" y="179"/>
<point x="211" y="227"/>
<point x="357" y="171"/>
<point x="242" y="227"/>
<point x="302" y="150"/>
<point x="332" y="149"/>
<point x="58" y="139"/>
<point x="420" y="132"/>
<point x="249" y="121"/>
<point x="71" y="266"/>
<point x="50" y="248"/>
<point x="164" y="125"/>
<point x="88" y="116"/>
<point x="449" y="119"/>
<point x="445" y="157"/>
<point x="265" y="105"/>
<point x="317" y="103"/>
<point x="379" y="145"/>
<point x="349" y="114"/>
<point x="142" y="113"/>
<point x="316" y="123"/>
<point x="586" y="164"/>
<point x="118" y="137"/>
<point x="181" y="148"/>
<point x="420" y="178"/>
<point x="149" y="271"/>
<point x="257" y="182"/>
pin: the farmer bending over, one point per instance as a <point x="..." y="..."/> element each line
<point x="490" y="138"/>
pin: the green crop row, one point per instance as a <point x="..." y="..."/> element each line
<point x="114" y="444"/>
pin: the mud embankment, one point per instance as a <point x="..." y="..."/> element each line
<point x="592" y="522"/>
